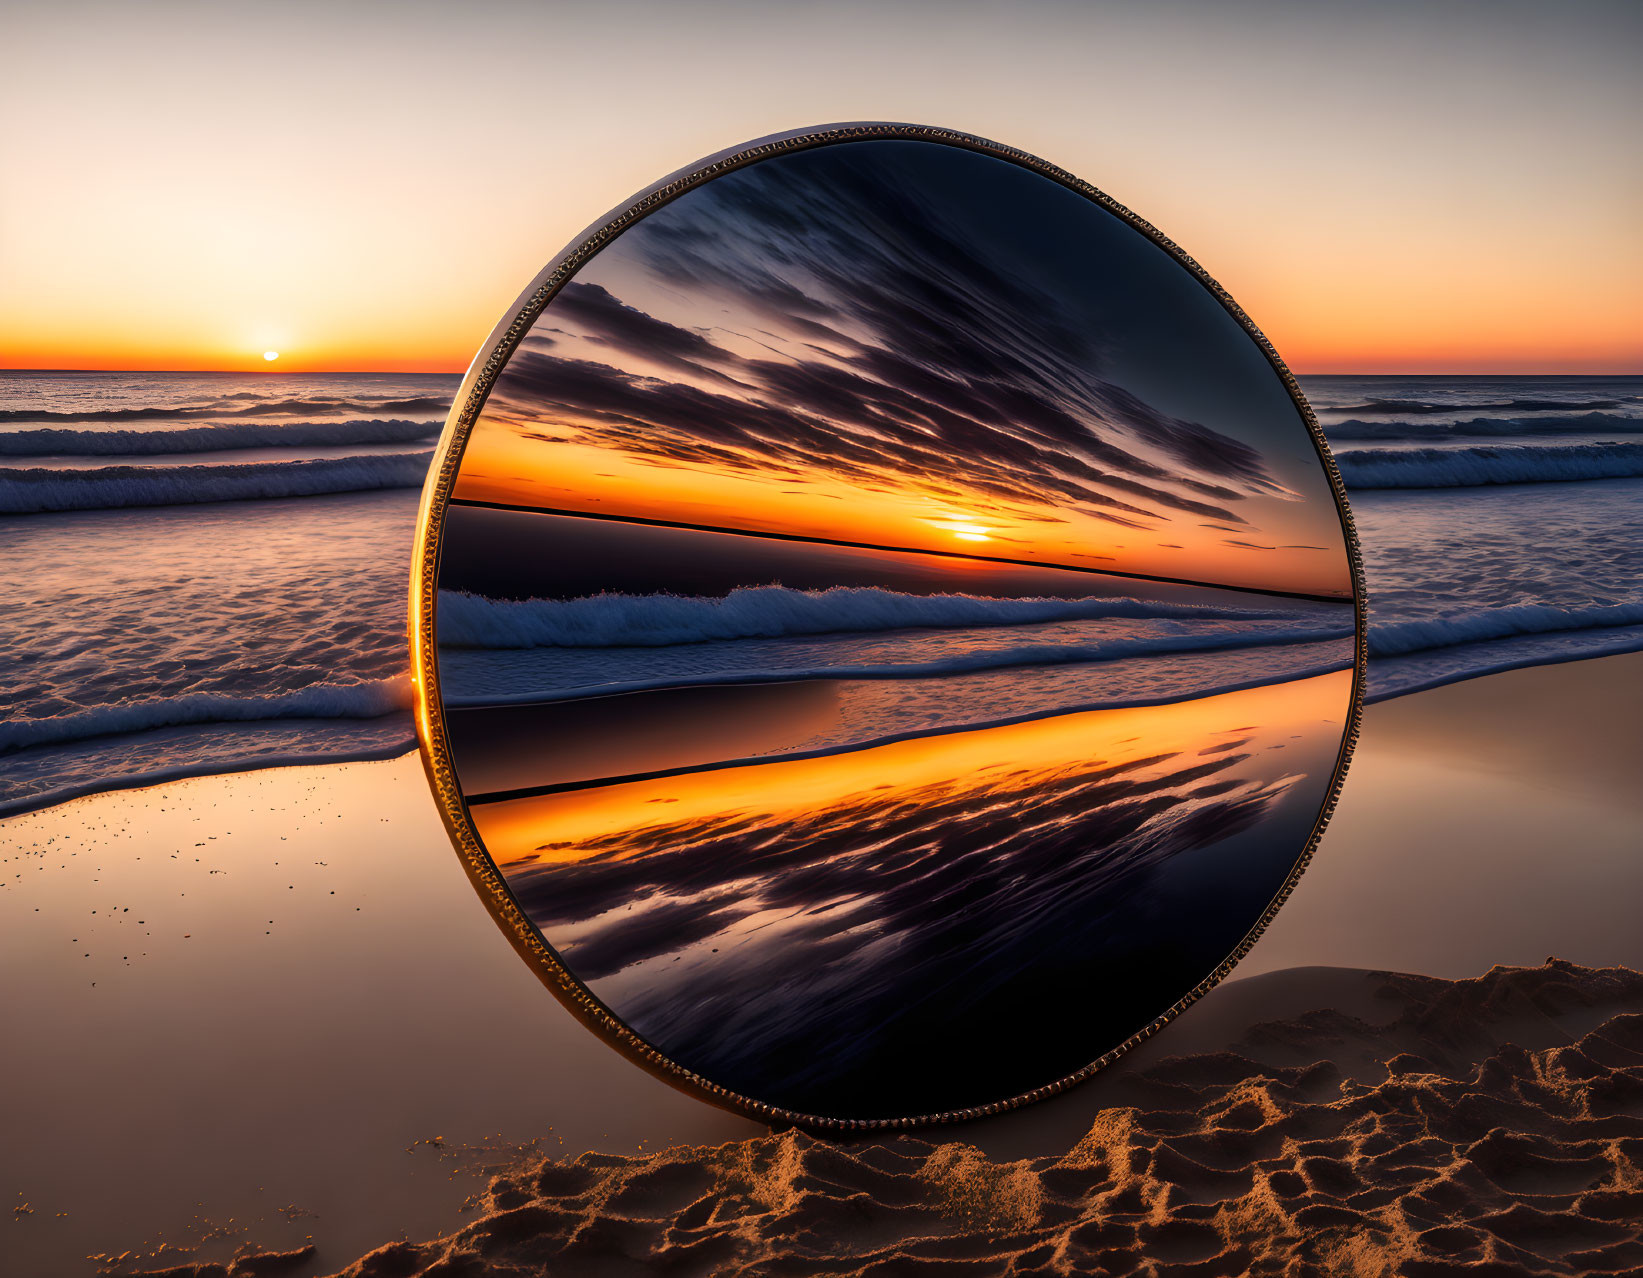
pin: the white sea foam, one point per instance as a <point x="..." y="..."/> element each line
<point x="764" y="612"/>
<point x="1464" y="579"/>
<point x="364" y="700"/>
<point x="1433" y="667"/>
<point x="234" y="406"/>
<point x="1549" y="424"/>
<point x="123" y="442"/>
<point x="1448" y="402"/>
<point x="1397" y="638"/>
<point x="33" y="491"/>
<point x="1479" y="465"/>
<point x="619" y="674"/>
<point x="40" y="779"/>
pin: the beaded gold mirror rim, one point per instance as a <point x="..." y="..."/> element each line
<point x="430" y="722"/>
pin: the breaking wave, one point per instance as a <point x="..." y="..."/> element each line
<point x="1568" y="424"/>
<point x="370" y="699"/>
<point x="1399" y="638"/>
<point x="62" y="440"/>
<point x="767" y="612"/>
<point x="1390" y="406"/>
<point x="264" y="408"/>
<point x="976" y="662"/>
<point x="34" y="491"/>
<point x="1470" y="467"/>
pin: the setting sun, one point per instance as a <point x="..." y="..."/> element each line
<point x="962" y="530"/>
<point x="270" y="356"/>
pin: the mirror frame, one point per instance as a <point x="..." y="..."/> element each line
<point x="429" y="708"/>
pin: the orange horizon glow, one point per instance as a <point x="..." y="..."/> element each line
<point x="1397" y="192"/>
<point x="58" y="361"/>
<point x="1328" y="309"/>
<point x="1504" y="332"/>
<point x="503" y="467"/>
<point x="1533" y="333"/>
<point x="1344" y="367"/>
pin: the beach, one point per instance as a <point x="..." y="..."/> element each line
<point x="260" y="1009"/>
<point x="289" y="1022"/>
<point x="667" y="639"/>
<point x="1454" y="1127"/>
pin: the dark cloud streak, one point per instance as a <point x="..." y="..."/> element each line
<point x="907" y="357"/>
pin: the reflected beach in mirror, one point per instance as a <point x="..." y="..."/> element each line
<point x="896" y="630"/>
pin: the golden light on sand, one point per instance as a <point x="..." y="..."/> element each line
<point x="270" y="356"/>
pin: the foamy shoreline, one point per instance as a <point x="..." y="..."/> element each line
<point x="255" y="968"/>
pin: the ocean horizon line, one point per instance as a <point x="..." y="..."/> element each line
<point x="461" y="371"/>
<point x="264" y="371"/>
<point x="899" y="550"/>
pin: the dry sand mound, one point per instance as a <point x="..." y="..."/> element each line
<point x="1489" y="1126"/>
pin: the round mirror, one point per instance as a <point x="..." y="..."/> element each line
<point x="887" y="628"/>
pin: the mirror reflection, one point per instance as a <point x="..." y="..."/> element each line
<point x="895" y="629"/>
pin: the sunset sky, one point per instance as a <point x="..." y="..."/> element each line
<point x="1421" y="187"/>
<point x="1053" y="387"/>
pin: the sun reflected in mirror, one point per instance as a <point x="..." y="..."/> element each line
<point x="896" y="634"/>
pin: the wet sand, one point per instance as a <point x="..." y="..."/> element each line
<point x="1498" y="820"/>
<point x="238" y="995"/>
<point x="204" y="1038"/>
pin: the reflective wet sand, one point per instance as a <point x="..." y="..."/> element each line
<point x="290" y="1063"/>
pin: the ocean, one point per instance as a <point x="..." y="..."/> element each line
<point x="208" y="573"/>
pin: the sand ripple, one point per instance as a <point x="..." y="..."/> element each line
<point x="1428" y="1141"/>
